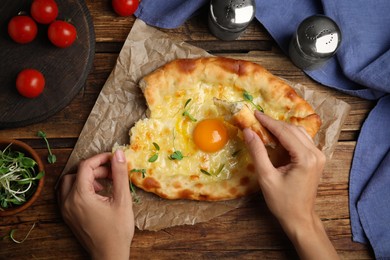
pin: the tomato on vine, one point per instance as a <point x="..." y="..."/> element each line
<point x="22" y="29"/>
<point x="30" y="83"/>
<point x="44" y="11"/>
<point x="125" y="7"/>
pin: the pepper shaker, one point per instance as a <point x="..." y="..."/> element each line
<point x="228" y="19"/>
<point x="315" y="41"/>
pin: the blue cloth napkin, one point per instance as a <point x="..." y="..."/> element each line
<point x="372" y="191"/>
<point x="361" y="68"/>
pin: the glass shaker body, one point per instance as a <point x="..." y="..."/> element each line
<point x="315" y="41"/>
<point x="228" y="19"/>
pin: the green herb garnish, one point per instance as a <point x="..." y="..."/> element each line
<point x="156" y="146"/>
<point x="154" y="157"/>
<point x="205" y="172"/>
<point x="218" y="171"/>
<point x="187" y="102"/>
<point x="51" y="158"/>
<point x="186" y="113"/>
<point x="248" y="97"/>
<point x="176" y="155"/>
<point x="134" y="195"/>
<point x="142" y="171"/>
<point x="18" y="178"/>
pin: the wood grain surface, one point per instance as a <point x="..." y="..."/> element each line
<point x="65" y="70"/>
<point x="249" y="232"/>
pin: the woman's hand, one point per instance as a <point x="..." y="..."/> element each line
<point x="290" y="190"/>
<point x="104" y="225"/>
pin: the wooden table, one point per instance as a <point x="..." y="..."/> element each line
<point x="249" y="232"/>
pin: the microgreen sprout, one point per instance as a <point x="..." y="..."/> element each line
<point x="205" y="172"/>
<point x="187" y="102"/>
<point x="136" y="198"/>
<point x="142" y="171"/>
<point x="248" y="97"/>
<point x="176" y="155"/>
<point x="154" y="157"/>
<point x="12" y="233"/>
<point x="51" y="158"/>
<point x="156" y="146"/>
<point x="215" y="173"/>
<point x="18" y="178"/>
<point x="186" y="113"/>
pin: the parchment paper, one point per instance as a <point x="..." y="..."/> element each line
<point x="121" y="103"/>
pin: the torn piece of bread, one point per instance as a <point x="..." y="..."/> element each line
<point x="241" y="116"/>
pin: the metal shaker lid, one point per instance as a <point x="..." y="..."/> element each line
<point x="318" y="36"/>
<point x="232" y="15"/>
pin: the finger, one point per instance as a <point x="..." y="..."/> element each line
<point x="95" y="161"/>
<point x="258" y="153"/>
<point x="92" y="169"/>
<point x="65" y="187"/>
<point x="285" y="133"/>
<point x="101" y="173"/>
<point x="120" y="178"/>
<point x="302" y="135"/>
<point x="303" y="130"/>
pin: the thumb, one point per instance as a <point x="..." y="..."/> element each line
<point x="259" y="154"/>
<point x="120" y="178"/>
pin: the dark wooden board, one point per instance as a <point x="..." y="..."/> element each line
<point x="65" y="70"/>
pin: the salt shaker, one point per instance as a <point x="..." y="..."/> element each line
<point x="315" y="41"/>
<point x="228" y="19"/>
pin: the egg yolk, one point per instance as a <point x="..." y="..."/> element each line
<point x="210" y="135"/>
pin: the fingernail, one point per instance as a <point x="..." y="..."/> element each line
<point x="248" y="135"/>
<point x="120" y="156"/>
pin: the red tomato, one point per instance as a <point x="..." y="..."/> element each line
<point x="44" y="11"/>
<point x="62" y="34"/>
<point x="125" y="7"/>
<point x="30" y="83"/>
<point x="22" y="29"/>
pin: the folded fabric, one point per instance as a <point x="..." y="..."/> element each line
<point x="371" y="183"/>
<point x="360" y="68"/>
<point x="376" y="224"/>
<point x="168" y="14"/>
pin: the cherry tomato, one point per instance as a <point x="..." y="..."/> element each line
<point x="22" y="29"/>
<point x="62" y="34"/>
<point x="44" y="11"/>
<point x="30" y="83"/>
<point x="125" y="7"/>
